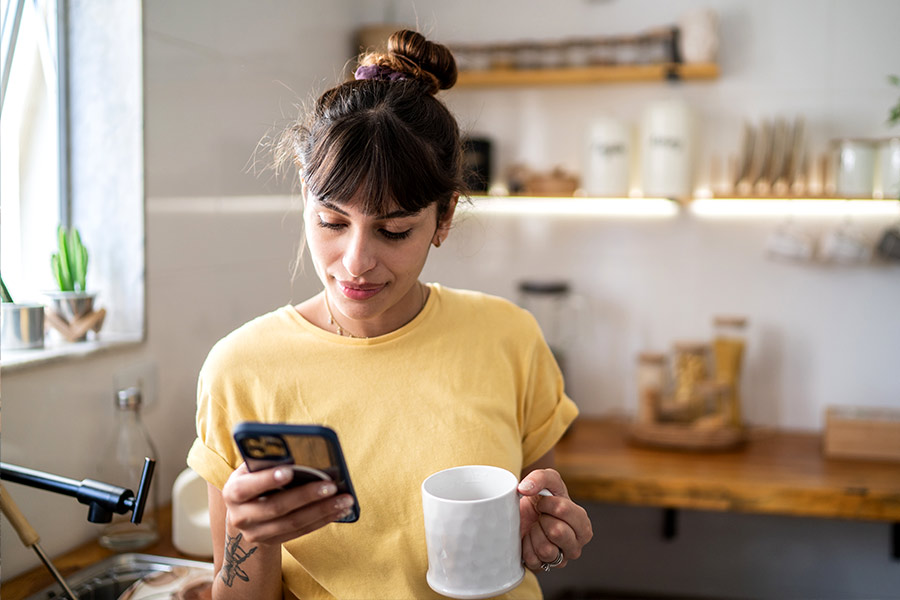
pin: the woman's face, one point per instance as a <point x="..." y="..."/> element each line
<point x="370" y="264"/>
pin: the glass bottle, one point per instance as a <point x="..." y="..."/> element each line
<point x="122" y="466"/>
<point x="728" y="352"/>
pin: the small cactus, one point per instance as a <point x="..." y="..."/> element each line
<point x="69" y="265"/>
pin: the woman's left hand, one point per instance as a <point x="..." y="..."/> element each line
<point x="550" y="524"/>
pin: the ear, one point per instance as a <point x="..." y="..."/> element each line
<point x="443" y="228"/>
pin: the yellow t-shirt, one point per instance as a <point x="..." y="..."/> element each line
<point x="469" y="380"/>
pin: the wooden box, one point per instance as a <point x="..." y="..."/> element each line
<point x="863" y="433"/>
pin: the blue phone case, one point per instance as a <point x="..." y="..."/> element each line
<point x="313" y="450"/>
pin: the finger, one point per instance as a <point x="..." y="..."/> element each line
<point x="529" y="556"/>
<point x="544" y="548"/>
<point x="561" y="536"/>
<point x="243" y="485"/>
<point x="543" y="479"/>
<point x="278" y="504"/>
<point x="299" y="522"/>
<point x="570" y="513"/>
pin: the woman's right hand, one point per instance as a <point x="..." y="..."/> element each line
<point x="283" y="515"/>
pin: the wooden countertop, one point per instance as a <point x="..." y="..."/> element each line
<point x="775" y="472"/>
<point x="84" y="556"/>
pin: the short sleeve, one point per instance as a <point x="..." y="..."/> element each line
<point x="548" y="411"/>
<point x="213" y="454"/>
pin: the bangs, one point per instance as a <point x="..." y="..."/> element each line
<point x="375" y="159"/>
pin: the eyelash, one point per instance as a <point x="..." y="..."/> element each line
<point x="391" y="235"/>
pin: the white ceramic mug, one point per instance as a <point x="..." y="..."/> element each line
<point x="845" y="245"/>
<point x="472" y="531"/>
<point x="791" y="243"/>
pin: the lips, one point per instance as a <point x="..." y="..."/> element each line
<point x="358" y="291"/>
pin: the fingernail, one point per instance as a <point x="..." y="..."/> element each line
<point x="344" y="502"/>
<point x="526" y="486"/>
<point x="327" y="489"/>
<point x="282" y="474"/>
<point x="345" y="514"/>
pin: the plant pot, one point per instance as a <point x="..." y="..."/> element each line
<point x="21" y="326"/>
<point x="71" y="306"/>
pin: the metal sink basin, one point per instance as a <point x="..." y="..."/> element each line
<point x="107" y="579"/>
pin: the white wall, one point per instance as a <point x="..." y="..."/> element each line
<point x="818" y="335"/>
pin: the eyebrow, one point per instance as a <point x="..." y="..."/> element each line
<point x="397" y="214"/>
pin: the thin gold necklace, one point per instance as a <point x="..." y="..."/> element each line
<point x="333" y="322"/>
<point x="343" y="332"/>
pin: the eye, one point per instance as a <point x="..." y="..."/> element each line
<point x="395" y="235"/>
<point x="329" y="225"/>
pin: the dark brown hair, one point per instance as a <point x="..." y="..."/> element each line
<point x="389" y="141"/>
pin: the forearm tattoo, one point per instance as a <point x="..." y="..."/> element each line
<point x="234" y="556"/>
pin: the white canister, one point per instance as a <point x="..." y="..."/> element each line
<point x="854" y="168"/>
<point x="667" y="150"/>
<point x="607" y="172"/>
<point x="888" y="183"/>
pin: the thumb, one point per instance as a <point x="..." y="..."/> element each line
<point x="546" y="482"/>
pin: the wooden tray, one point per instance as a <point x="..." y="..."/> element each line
<point x="685" y="437"/>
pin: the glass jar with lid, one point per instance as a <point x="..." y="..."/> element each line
<point x="729" y="342"/>
<point x="691" y="370"/>
<point x="551" y="303"/>
<point x="652" y="381"/>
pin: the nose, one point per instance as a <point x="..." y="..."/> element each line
<point x="359" y="255"/>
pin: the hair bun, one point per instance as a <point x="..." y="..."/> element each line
<point x="423" y="59"/>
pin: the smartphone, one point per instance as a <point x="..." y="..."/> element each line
<point x="313" y="452"/>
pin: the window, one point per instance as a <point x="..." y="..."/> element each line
<point x="71" y="123"/>
<point x="31" y="176"/>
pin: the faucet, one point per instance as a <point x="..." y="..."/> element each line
<point x="103" y="499"/>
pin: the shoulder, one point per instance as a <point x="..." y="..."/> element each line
<point x="486" y="312"/>
<point x="249" y="343"/>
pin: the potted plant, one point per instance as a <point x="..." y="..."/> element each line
<point x="21" y="325"/>
<point x="72" y="304"/>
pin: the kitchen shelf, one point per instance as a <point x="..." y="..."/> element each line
<point x="588" y="75"/>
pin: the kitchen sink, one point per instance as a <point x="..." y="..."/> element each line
<point x="107" y="579"/>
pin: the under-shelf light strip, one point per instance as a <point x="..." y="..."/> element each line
<point x="736" y="207"/>
<point x="624" y="207"/>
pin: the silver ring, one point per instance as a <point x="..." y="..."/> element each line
<point x="556" y="561"/>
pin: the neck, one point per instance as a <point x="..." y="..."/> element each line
<point x="405" y="312"/>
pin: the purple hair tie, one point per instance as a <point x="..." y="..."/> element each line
<point x="377" y="72"/>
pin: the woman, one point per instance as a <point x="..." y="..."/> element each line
<point x="414" y="378"/>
